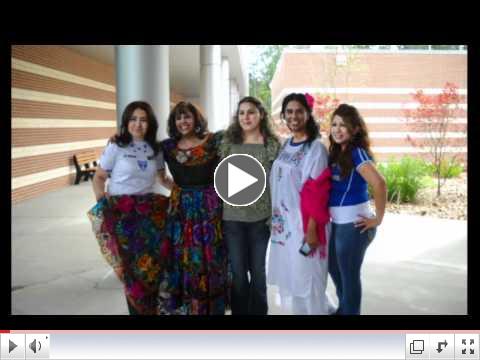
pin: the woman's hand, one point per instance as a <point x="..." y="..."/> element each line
<point x="311" y="239"/>
<point x="311" y="236"/>
<point x="169" y="183"/>
<point x="165" y="180"/>
<point x="98" y="183"/>
<point x="104" y="195"/>
<point x="367" y="223"/>
<point x="376" y="180"/>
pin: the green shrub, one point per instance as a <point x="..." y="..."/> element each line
<point x="449" y="168"/>
<point x="404" y="178"/>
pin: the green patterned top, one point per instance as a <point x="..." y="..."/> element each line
<point x="262" y="208"/>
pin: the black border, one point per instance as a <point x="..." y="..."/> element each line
<point x="379" y="322"/>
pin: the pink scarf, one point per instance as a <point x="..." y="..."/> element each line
<point x="314" y="198"/>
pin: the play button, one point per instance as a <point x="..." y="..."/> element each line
<point x="240" y="180"/>
<point x="11" y="346"/>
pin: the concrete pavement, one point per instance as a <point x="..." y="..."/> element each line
<point x="416" y="265"/>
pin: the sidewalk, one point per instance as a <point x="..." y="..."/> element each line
<point x="416" y="265"/>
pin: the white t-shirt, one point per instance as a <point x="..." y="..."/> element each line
<point x="132" y="169"/>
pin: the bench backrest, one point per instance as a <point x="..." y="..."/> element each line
<point x="86" y="157"/>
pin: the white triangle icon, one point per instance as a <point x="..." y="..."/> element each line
<point x="238" y="179"/>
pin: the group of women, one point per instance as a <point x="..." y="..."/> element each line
<point x="190" y="253"/>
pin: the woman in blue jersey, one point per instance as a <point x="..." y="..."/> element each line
<point x="354" y="223"/>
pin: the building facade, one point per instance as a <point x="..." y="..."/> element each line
<point x="69" y="98"/>
<point x="380" y="83"/>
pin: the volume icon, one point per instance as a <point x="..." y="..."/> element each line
<point x="35" y="346"/>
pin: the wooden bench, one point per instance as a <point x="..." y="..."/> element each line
<point x="86" y="165"/>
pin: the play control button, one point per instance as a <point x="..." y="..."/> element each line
<point x="240" y="180"/>
<point x="11" y="346"/>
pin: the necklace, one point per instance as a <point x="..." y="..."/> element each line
<point x="183" y="155"/>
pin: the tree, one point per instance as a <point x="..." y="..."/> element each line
<point x="366" y="47"/>
<point x="323" y="108"/>
<point x="433" y="116"/>
<point x="446" y="47"/>
<point x="262" y="71"/>
<point x="413" y="47"/>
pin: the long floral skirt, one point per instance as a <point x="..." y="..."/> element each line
<point x="196" y="276"/>
<point x="130" y="232"/>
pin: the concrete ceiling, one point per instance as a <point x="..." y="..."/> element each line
<point x="184" y="65"/>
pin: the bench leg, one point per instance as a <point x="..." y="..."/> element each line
<point x="78" y="177"/>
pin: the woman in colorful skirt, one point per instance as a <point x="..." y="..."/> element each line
<point x="196" y="275"/>
<point x="133" y="216"/>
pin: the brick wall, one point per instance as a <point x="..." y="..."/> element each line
<point x="379" y="85"/>
<point x="62" y="102"/>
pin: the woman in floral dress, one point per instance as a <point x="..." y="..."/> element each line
<point x="196" y="274"/>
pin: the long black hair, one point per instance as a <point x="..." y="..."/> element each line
<point x="358" y="138"/>
<point x="125" y="138"/>
<point x="234" y="133"/>
<point x="199" y="124"/>
<point x="311" y="127"/>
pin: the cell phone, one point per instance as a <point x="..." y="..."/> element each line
<point x="305" y="249"/>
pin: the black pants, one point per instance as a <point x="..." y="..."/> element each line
<point x="247" y="247"/>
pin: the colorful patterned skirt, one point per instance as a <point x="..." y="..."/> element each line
<point x="130" y="231"/>
<point x="195" y="282"/>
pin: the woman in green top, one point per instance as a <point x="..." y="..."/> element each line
<point x="247" y="228"/>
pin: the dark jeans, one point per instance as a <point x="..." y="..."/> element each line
<point x="346" y="252"/>
<point x="247" y="247"/>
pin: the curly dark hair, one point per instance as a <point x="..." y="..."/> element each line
<point x="125" y="138"/>
<point x="359" y="138"/>
<point x="311" y="127"/>
<point x="234" y="133"/>
<point x="183" y="107"/>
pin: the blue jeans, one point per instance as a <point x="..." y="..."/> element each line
<point x="347" y="248"/>
<point x="247" y="248"/>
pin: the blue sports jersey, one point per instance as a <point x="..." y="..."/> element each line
<point x="353" y="189"/>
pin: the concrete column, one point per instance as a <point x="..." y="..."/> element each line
<point x="142" y="73"/>
<point x="225" y="120"/>
<point x="234" y="97"/>
<point x="211" y="84"/>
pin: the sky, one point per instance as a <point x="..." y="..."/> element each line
<point x="252" y="53"/>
